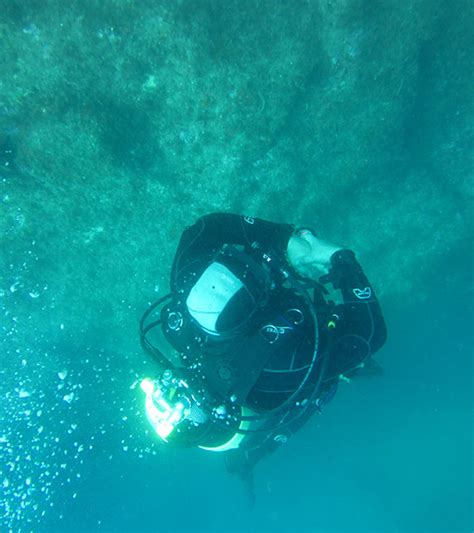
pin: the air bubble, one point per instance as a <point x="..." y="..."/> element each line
<point x="68" y="398"/>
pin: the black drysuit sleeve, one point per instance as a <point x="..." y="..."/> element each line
<point x="360" y="326"/>
<point x="212" y="231"/>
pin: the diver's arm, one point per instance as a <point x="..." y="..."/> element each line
<point x="212" y="231"/>
<point x="361" y="313"/>
<point x="361" y="323"/>
<point x="228" y="228"/>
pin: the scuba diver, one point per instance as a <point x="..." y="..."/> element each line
<point x="262" y="322"/>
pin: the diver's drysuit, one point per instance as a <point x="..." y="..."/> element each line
<point x="260" y="348"/>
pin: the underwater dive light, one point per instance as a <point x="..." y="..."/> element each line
<point x="166" y="403"/>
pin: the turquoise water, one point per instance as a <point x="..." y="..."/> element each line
<point x="120" y="124"/>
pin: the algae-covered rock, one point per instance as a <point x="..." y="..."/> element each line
<point x="130" y="119"/>
<point x="122" y="121"/>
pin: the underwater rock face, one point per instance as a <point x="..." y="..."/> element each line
<point x="128" y="120"/>
<point x="138" y="119"/>
<point x="7" y="154"/>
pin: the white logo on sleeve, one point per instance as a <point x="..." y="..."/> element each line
<point x="363" y="294"/>
<point x="249" y="220"/>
